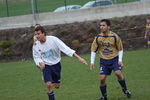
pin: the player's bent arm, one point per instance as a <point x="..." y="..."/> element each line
<point x="120" y="54"/>
<point x="93" y="54"/>
<point x="42" y="65"/>
<point x="79" y="58"/>
<point x="37" y="58"/>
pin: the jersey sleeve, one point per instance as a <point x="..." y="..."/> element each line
<point x="36" y="57"/>
<point x="94" y="46"/>
<point x="63" y="47"/>
<point x="119" y="43"/>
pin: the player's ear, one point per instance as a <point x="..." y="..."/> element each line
<point x="44" y="33"/>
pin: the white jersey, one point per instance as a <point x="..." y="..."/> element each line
<point x="49" y="52"/>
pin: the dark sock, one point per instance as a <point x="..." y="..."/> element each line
<point x="123" y="84"/>
<point x="51" y="96"/>
<point x="103" y="90"/>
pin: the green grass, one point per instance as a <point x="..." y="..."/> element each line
<point x="23" y="7"/>
<point x="22" y="80"/>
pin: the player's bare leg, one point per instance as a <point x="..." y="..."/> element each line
<point x="50" y="90"/>
<point x="122" y="82"/>
<point x="103" y="87"/>
<point x="119" y="75"/>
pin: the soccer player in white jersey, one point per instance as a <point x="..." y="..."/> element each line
<point x="47" y="55"/>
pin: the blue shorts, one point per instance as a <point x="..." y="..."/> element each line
<point x="52" y="73"/>
<point x="106" y="66"/>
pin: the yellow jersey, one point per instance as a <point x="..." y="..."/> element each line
<point x="107" y="46"/>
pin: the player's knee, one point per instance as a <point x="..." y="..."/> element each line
<point x="118" y="73"/>
<point x="102" y="81"/>
<point x="119" y="76"/>
<point x="49" y="84"/>
<point x="102" y="77"/>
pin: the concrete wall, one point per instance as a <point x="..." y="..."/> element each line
<point x="119" y="10"/>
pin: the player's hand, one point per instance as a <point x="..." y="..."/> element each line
<point x="42" y="65"/>
<point x="82" y="61"/>
<point x="145" y="37"/>
<point x="120" y="64"/>
<point x="80" y="58"/>
<point x="91" y="67"/>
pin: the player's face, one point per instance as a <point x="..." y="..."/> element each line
<point x="104" y="27"/>
<point x="39" y="35"/>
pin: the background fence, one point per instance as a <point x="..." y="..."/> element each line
<point x="23" y="7"/>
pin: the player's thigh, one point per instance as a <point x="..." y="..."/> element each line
<point x="104" y="70"/>
<point x="56" y="73"/>
<point x="47" y="74"/>
<point x="49" y="84"/>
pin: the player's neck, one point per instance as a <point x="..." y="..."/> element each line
<point x="106" y="33"/>
<point x="43" y="40"/>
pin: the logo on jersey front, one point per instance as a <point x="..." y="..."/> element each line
<point x="106" y="50"/>
<point x="46" y="54"/>
<point x="105" y="44"/>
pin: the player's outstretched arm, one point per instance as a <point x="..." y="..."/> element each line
<point x="80" y="58"/>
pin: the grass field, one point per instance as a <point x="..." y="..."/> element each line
<point x="22" y="80"/>
<point x="22" y="7"/>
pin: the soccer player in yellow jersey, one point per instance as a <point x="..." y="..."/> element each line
<point x="147" y="32"/>
<point x="109" y="46"/>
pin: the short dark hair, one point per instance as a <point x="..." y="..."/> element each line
<point x="40" y="28"/>
<point x="36" y="25"/>
<point x="106" y="21"/>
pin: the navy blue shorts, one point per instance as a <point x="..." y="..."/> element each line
<point x="106" y="66"/>
<point x="52" y="73"/>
